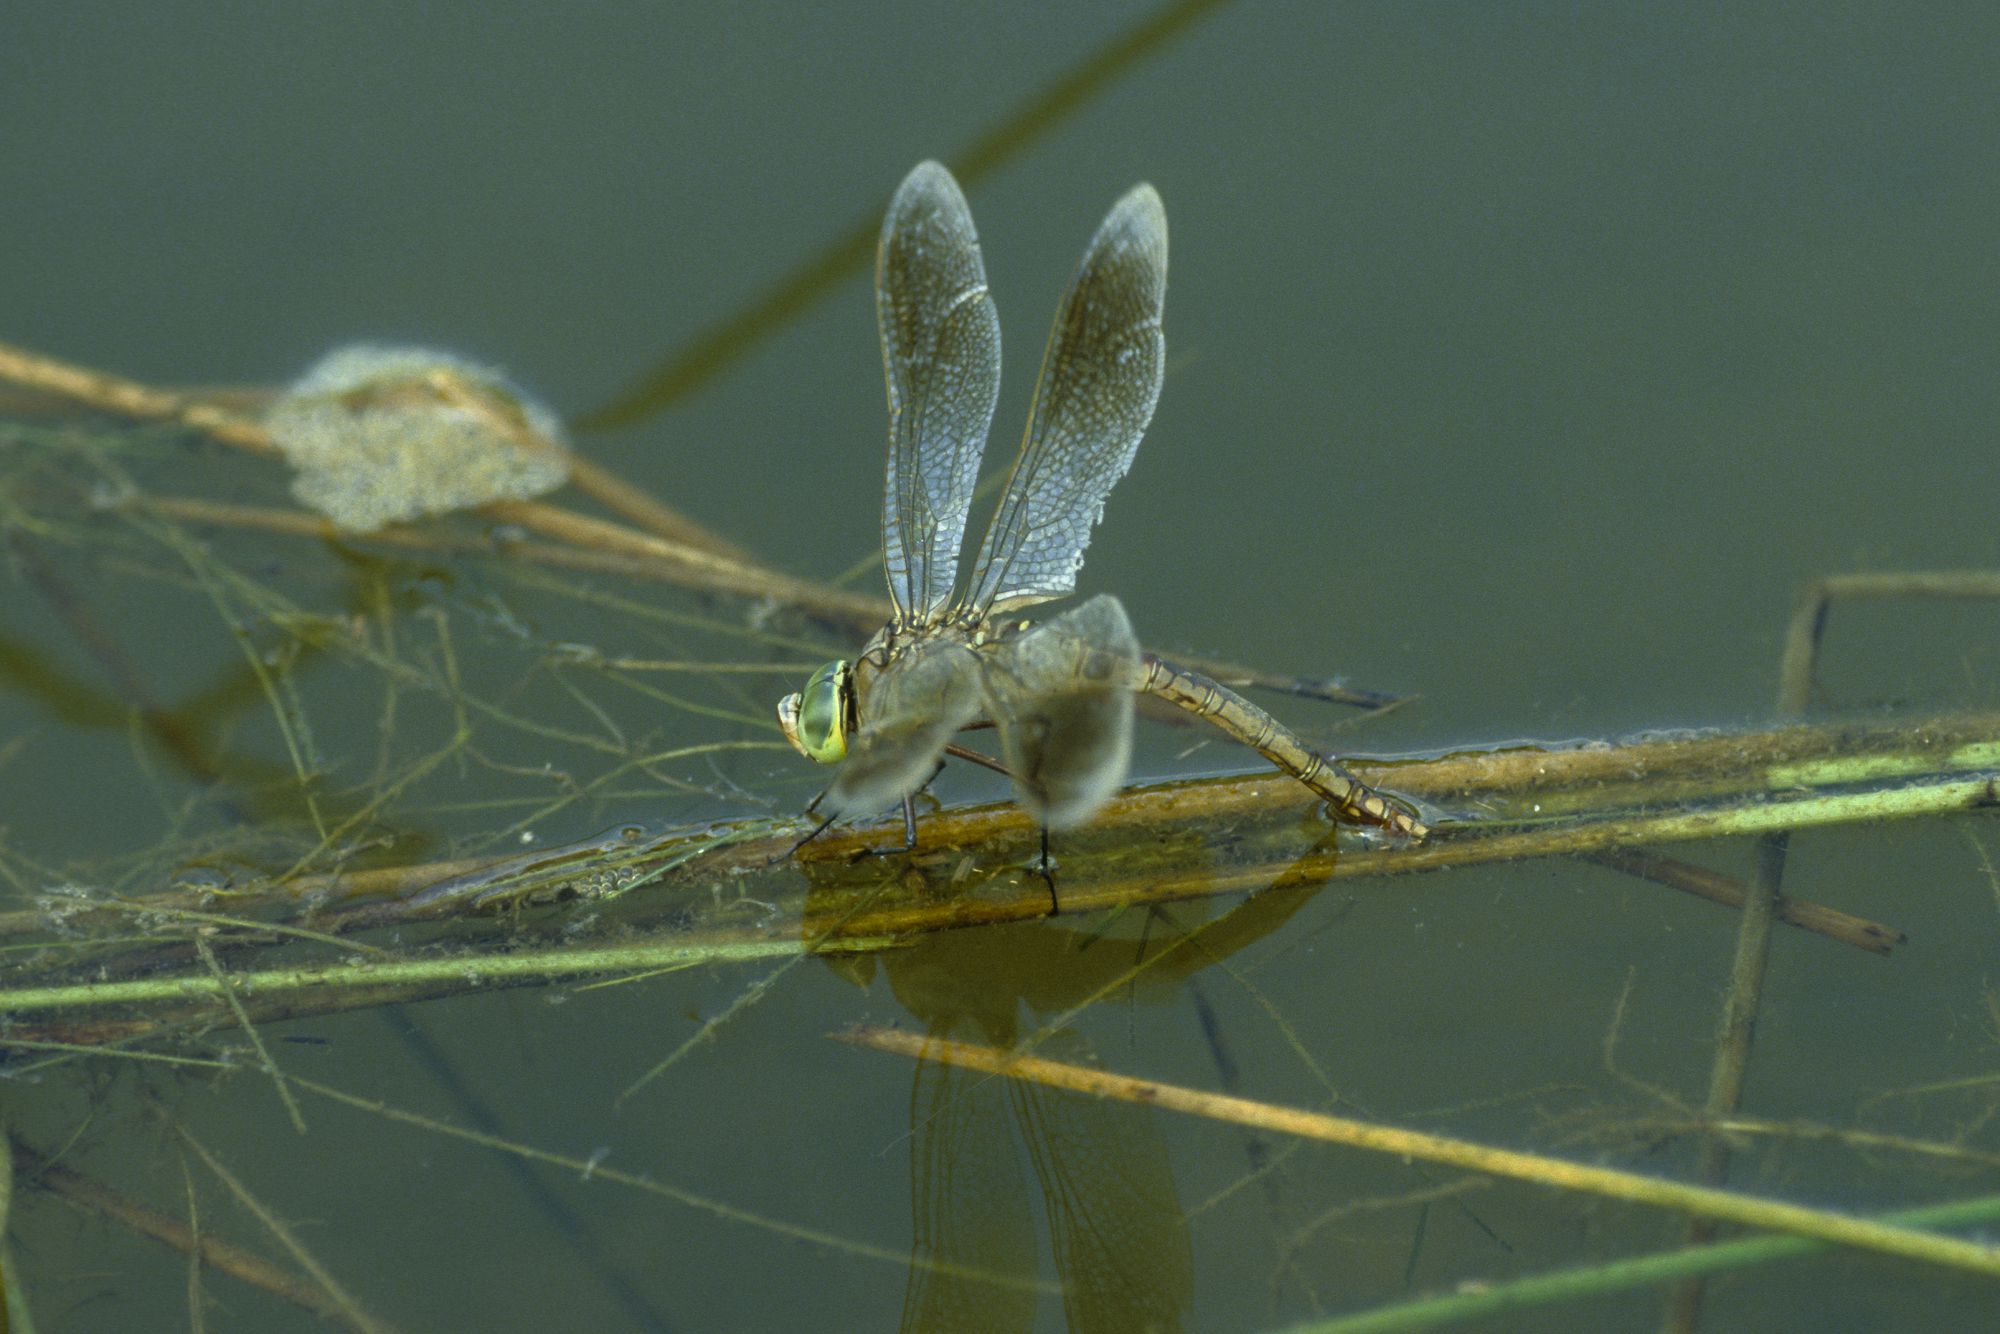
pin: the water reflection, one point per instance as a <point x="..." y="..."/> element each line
<point x="983" y="1149"/>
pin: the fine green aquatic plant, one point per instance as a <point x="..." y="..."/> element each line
<point x="523" y="754"/>
<point x="311" y="877"/>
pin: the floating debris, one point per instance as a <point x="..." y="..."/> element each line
<point x="384" y="435"/>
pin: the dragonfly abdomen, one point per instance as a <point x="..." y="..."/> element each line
<point x="1352" y="799"/>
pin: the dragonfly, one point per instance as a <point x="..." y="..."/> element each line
<point x="952" y="656"/>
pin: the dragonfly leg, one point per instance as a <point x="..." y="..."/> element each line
<point x="909" y="822"/>
<point x="1352" y="799"/>
<point x="974" y="757"/>
<point x="910" y="806"/>
<point x="1049" y="876"/>
<point x="818" y="829"/>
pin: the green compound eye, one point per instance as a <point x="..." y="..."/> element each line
<point x="814" y="720"/>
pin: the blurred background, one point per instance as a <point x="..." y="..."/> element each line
<point x="1527" y="357"/>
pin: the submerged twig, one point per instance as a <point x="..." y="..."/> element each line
<point x="558" y="1213"/>
<point x="113" y="659"/>
<point x="224" y="1256"/>
<point x="1762" y="901"/>
<point x="1728" y="891"/>
<point x="1808" y="624"/>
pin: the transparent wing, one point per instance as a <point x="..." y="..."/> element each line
<point x="941" y="357"/>
<point x="968" y="1201"/>
<point x="908" y="714"/>
<point x="1061" y="695"/>
<point x="1100" y="379"/>
<point x="1116" y="1224"/>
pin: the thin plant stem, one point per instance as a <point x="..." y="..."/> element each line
<point x="129" y="398"/>
<point x="197" y="1300"/>
<point x="467" y="971"/>
<point x="1632" y="1187"/>
<point x="726" y="342"/>
<point x="673" y="547"/>
<point x="1682" y="789"/>
<point x="1593" y="1281"/>
<point x="342" y="1301"/>
<point x="1736" y="1030"/>
<point x="588" y="1170"/>
<point x="264" y="1058"/>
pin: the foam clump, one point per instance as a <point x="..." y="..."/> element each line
<point x="382" y="435"/>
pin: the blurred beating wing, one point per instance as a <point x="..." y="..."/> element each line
<point x="1100" y="379"/>
<point x="927" y="693"/>
<point x="1061" y="695"/>
<point x="941" y="356"/>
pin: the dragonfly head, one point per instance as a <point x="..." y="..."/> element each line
<point x="815" y="720"/>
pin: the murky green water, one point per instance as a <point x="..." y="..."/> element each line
<point x="1527" y="359"/>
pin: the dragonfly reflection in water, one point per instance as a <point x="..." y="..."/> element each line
<point x="1060" y="693"/>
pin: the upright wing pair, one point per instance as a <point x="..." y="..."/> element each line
<point x="1060" y="694"/>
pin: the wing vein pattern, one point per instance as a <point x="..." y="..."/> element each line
<point x="1099" y="382"/>
<point x="941" y="358"/>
